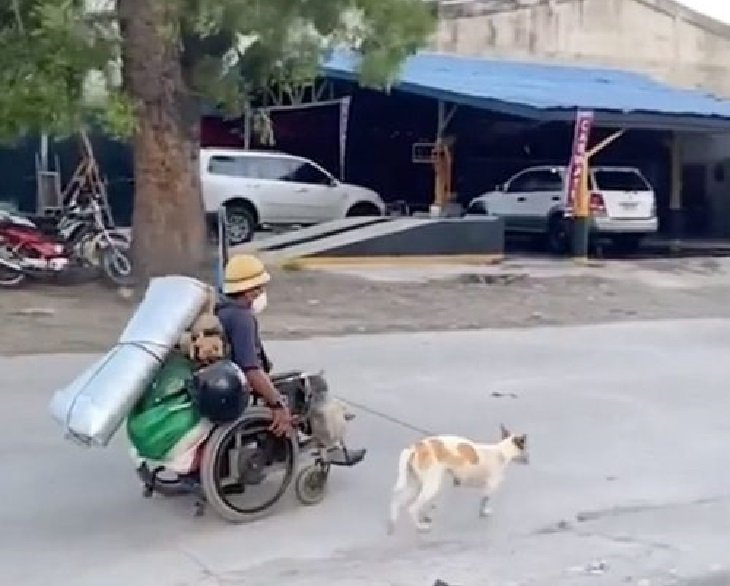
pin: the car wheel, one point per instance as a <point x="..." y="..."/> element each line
<point x="558" y="236"/>
<point x="363" y="209"/>
<point x="241" y="224"/>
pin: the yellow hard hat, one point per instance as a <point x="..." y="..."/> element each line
<point x="244" y="272"/>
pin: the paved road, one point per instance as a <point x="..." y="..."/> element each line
<point x="629" y="431"/>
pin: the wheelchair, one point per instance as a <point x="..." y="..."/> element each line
<point x="243" y="458"/>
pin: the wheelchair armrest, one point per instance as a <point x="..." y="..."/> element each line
<point x="280" y="376"/>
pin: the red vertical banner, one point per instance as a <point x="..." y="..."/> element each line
<point x="578" y="159"/>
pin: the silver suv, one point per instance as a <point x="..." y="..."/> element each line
<point x="264" y="188"/>
<point x="622" y="203"/>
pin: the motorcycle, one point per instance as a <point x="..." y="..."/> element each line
<point x="82" y="243"/>
<point x="84" y="229"/>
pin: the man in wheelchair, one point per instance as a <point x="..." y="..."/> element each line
<point x="244" y="288"/>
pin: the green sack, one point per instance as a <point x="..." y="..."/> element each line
<point x="165" y="413"/>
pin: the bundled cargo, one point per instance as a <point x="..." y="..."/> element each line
<point x="164" y="426"/>
<point x="93" y="407"/>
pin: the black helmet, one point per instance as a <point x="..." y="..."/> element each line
<point x="218" y="393"/>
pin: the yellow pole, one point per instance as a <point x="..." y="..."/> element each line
<point x="582" y="212"/>
<point x="583" y="203"/>
<point x="604" y="143"/>
<point x="446" y="175"/>
<point x="583" y="207"/>
<point x="581" y="216"/>
<point x="442" y="160"/>
<point x="437" y="188"/>
<point x="442" y="173"/>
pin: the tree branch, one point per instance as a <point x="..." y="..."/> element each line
<point x="18" y="16"/>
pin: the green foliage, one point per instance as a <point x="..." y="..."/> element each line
<point x="47" y="50"/>
<point x="230" y="50"/>
<point x="285" y="41"/>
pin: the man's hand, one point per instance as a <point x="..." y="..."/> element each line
<point x="282" y="420"/>
<point x="261" y="384"/>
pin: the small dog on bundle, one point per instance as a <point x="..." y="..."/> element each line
<point x="423" y="466"/>
<point x="203" y="343"/>
<point x="204" y="340"/>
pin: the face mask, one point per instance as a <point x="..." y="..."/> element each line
<point x="259" y="304"/>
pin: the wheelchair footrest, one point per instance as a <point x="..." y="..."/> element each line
<point x="305" y="443"/>
<point x="347" y="458"/>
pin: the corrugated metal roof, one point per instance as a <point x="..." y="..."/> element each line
<point x="536" y="89"/>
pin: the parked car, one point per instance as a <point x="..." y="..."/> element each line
<point x="263" y="188"/>
<point x="622" y="204"/>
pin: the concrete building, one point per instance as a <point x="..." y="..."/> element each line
<point x="658" y="37"/>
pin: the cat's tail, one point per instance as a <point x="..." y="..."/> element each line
<point x="404" y="463"/>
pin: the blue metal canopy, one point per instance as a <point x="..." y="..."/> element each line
<point x="549" y="92"/>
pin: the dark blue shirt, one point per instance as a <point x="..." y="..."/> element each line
<point x="242" y="333"/>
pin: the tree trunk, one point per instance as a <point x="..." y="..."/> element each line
<point x="168" y="222"/>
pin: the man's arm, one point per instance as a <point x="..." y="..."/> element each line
<point x="261" y="384"/>
<point x="243" y="344"/>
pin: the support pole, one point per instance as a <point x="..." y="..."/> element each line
<point x="442" y="160"/>
<point x="605" y="142"/>
<point x="582" y="218"/>
<point x="676" y="215"/>
<point x="223" y="253"/>
<point x="44" y="152"/>
<point x="576" y="184"/>
<point x="582" y="213"/>
<point x="247" y="128"/>
<point x="442" y="171"/>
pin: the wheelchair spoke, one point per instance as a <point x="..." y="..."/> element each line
<point x="276" y="467"/>
<point x="253" y="467"/>
<point x="234" y="472"/>
<point x="227" y="483"/>
<point x="234" y="458"/>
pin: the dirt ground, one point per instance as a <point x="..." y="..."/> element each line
<point x="303" y="303"/>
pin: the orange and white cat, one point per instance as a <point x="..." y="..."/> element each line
<point x="424" y="465"/>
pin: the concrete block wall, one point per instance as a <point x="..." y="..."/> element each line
<point x="657" y="37"/>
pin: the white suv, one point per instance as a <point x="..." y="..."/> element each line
<point x="622" y="204"/>
<point x="262" y="188"/>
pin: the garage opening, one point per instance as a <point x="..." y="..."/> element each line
<point x="504" y="116"/>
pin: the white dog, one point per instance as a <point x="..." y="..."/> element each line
<point x="423" y="466"/>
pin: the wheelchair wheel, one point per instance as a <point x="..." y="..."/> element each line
<point x="244" y="460"/>
<point x="311" y="484"/>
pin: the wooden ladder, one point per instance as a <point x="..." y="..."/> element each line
<point x="87" y="181"/>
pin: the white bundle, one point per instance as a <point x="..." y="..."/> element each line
<point x="93" y="407"/>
